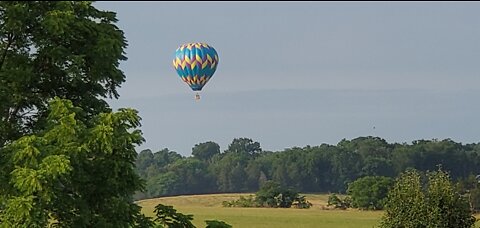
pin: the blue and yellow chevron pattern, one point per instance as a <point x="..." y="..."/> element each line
<point x="195" y="63"/>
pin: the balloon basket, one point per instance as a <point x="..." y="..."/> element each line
<point x="197" y="97"/>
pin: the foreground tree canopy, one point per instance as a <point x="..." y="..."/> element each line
<point x="65" y="157"/>
<point x="66" y="49"/>
<point x="436" y="203"/>
<point x="78" y="173"/>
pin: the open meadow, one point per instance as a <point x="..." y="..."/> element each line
<point x="206" y="207"/>
<point x="209" y="207"/>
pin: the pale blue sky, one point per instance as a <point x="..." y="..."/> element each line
<point x="304" y="73"/>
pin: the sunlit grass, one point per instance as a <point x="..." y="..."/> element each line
<point x="209" y="207"/>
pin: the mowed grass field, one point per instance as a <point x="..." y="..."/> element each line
<point x="209" y="207"/>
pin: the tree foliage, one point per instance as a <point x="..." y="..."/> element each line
<point x="324" y="168"/>
<point x="272" y="194"/>
<point x="168" y="173"/>
<point x="66" y="49"/>
<point x="470" y="186"/>
<point x="244" y="146"/>
<point x="77" y="173"/>
<point x="435" y="204"/>
<point x="369" y="192"/>
<point x="65" y="157"/>
<point x="205" y="151"/>
<point x="168" y="216"/>
<point x="337" y="202"/>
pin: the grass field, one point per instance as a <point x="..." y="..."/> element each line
<point x="206" y="207"/>
<point x="209" y="207"/>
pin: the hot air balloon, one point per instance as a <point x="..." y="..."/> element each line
<point x="195" y="63"/>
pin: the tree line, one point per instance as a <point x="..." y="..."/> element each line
<point x="244" y="166"/>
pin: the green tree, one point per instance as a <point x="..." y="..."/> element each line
<point x="405" y="202"/>
<point x="403" y="157"/>
<point x="470" y="186"/>
<point x="71" y="160"/>
<point x="367" y="146"/>
<point x="194" y="176"/>
<point x="230" y="172"/>
<point x="205" y="151"/>
<point x="445" y="206"/>
<point x="75" y="173"/>
<point x="163" y="184"/>
<point x="369" y="192"/>
<point x="153" y="167"/>
<point x="143" y="162"/>
<point x="168" y="216"/>
<point x="244" y="145"/>
<point x="345" y="168"/>
<point x="272" y="194"/>
<point x="67" y="49"/>
<point x="163" y="158"/>
<point x="474" y="198"/>
<point x="374" y="166"/>
<point x="334" y="200"/>
<point x="268" y="193"/>
<point x="409" y="204"/>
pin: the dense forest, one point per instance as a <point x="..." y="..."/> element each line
<point x="244" y="166"/>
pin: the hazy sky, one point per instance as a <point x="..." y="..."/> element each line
<point x="304" y="73"/>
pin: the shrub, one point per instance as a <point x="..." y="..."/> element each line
<point x="302" y="203"/>
<point x="217" y="224"/>
<point x="241" y="202"/>
<point x="369" y="192"/>
<point x="271" y="195"/>
<point x="336" y="202"/>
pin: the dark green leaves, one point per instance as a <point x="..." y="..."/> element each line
<point x="47" y="49"/>
<point x="169" y="217"/>
<point x="369" y="192"/>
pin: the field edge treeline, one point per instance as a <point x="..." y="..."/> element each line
<point x="244" y="166"/>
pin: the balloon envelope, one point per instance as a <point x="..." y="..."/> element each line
<point x="195" y="63"/>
